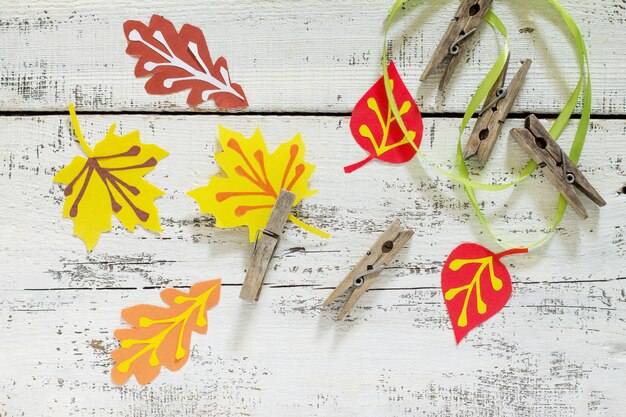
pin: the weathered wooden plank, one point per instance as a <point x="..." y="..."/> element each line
<point x="557" y="349"/>
<point x="39" y="251"/>
<point x="300" y="55"/>
<point x="394" y="355"/>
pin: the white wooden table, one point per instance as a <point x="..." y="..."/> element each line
<point x="557" y="349"/>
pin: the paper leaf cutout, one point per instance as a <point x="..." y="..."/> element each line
<point x="180" y="61"/>
<point x="475" y="285"/>
<point x="110" y="181"/>
<point x="253" y="181"/>
<point x="160" y="336"/>
<point x="374" y="126"/>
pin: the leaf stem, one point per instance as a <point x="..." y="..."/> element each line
<point x="351" y="168"/>
<point x="308" y="227"/>
<point x="514" y="251"/>
<point x="78" y="132"/>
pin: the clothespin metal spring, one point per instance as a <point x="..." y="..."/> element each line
<point x="265" y="232"/>
<point x="358" y="281"/>
<point x="557" y="167"/>
<point x="500" y="94"/>
<point x="570" y="178"/>
<point x="454" y="48"/>
<point x="370" y="266"/>
<point x="385" y="248"/>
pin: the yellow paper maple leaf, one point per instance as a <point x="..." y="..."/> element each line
<point x="110" y="181"/>
<point x="253" y="181"/>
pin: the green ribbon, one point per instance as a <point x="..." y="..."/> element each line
<point x="478" y="98"/>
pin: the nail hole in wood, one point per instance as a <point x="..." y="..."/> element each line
<point x="541" y="142"/>
<point x="387" y="246"/>
<point x="474" y="9"/>
<point x="483" y="134"/>
<point x="623" y="190"/>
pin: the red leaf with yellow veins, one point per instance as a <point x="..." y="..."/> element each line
<point x="375" y="128"/>
<point x="475" y="285"/>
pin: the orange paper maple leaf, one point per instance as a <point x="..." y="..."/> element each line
<point x="160" y="336"/>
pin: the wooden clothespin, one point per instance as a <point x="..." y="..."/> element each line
<point x="370" y="266"/>
<point x="491" y="118"/>
<point x="466" y="20"/>
<point x="264" y="246"/>
<point x="559" y="169"/>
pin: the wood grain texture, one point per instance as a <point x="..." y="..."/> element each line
<point x="350" y="207"/>
<point x="301" y="55"/>
<point x="557" y="349"/>
<point x="286" y="356"/>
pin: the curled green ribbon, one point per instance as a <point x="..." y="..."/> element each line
<point x="480" y="95"/>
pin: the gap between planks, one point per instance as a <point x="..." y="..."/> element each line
<point x="312" y="286"/>
<point x="434" y="115"/>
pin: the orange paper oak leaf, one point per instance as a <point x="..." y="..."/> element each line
<point x="180" y="61"/>
<point x="475" y="285"/>
<point x="160" y="336"/>
<point x="253" y="181"/>
<point x="374" y="126"/>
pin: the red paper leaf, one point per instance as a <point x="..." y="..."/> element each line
<point x="180" y="61"/>
<point x="374" y="126"/>
<point x="475" y="285"/>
